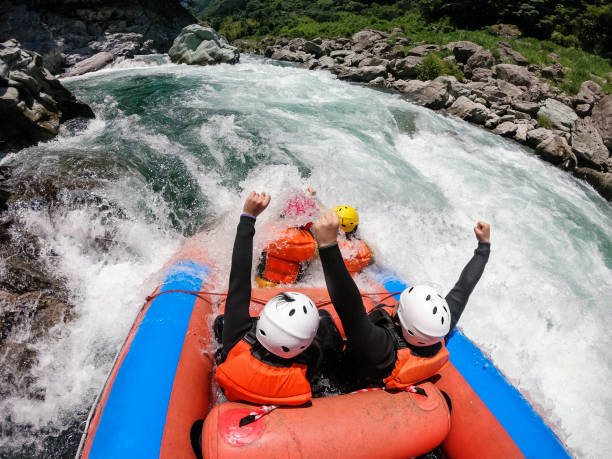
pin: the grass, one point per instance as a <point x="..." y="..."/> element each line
<point x="544" y="121"/>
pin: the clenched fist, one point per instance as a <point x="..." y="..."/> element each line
<point x="482" y="231"/>
<point x="256" y="203"/>
<point x="325" y="229"/>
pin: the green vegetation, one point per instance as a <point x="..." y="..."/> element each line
<point x="557" y="27"/>
<point x="544" y="121"/>
<point x="434" y="65"/>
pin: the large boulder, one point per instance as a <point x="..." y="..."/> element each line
<point x="515" y="74"/>
<point x="506" y="53"/>
<point x="405" y="68"/>
<point x="91" y="64"/>
<point x="197" y="45"/>
<point x="601" y="181"/>
<point x="526" y="106"/>
<point x="555" y="149"/>
<point x="463" y="50"/>
<point x="560" y="115"/>
<point x="366" y="38"/>
<point x="435" y="94"/>
<point x="33" y="103"/>
<point x="536" y="136"/>
<point x="587" y="144"/>
<point x="590" y="93"/>
<point x="465" y="109"/>
<point x="480" y="59"/>
<point x="602" y="119"/>
<point x="363" y="74"/>
<point x="422" y="50"/>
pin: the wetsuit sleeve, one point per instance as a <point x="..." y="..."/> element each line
<point x="237" y="319"/>
<point x="371" y="343"/>
<point x="458" y="297"/>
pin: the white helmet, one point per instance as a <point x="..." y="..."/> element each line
<point x="424" y="316"/>
<point x="287" y="324"/>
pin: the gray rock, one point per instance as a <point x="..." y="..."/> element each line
<point x="91" y="64"/>
<point x="463" y="50"/>
<point x="506" y="53"/>
<point x="406" y="67"/>
<point x="313" y="48"/>
<point x="363" y="74"/>
<point x="561" y="116"/>
<point x="340" y="53"/>
<point x="370" y="61"/>
<point x="197" y="45"/>
<point x="378" y="82"/>
<point x="297" y="44"/>
<point x="515" y="74"/>
<point x="587" y="144"/>
<point x="555" y="150"/>
<point x="601" y="181"/>
<point x="408" y="86"/>
<point x="326" y="62"/>
<point x="366" y="38"/>
<point x="583" y="109"/>
<point x="435" y="94"/>
<point x="284" y="54"/>
<point x="480" y="59"/>
<point x="311" y="64"/>
<point x="602" y="119"/>
<point x="590" y="93"/>
<point x="465" y="109"/>
<point x="34" y="104"/>
<point x="492" y="121"/>
<point x="526" y="106"/>
<point x="423" y="50"/>
<point x="537" y="136"/>
<point x="554" y="71"/>
<point x="506" y="129"/>
<point x="380" y="48"/>
<point x="521" y="132"/>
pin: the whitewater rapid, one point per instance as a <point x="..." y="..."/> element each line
<point x="175" y="149"/>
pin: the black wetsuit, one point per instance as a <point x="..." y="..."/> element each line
<point x="371" y="347"/>
<point x="237" y="320"/>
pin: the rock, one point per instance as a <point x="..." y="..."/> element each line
<point x="378" y="82"/>
<point x="554" y="71"/>
<point x="406" y="67"/>
<point x="555" y="150"/>
<point x="514" y="74"/>
<point x="297" y="44"/>
<point x="480" y="59"/>
<point x="284" y="54"/>
<point x="435" y="94"/>
<point x="341" y="53"/>
<point x="313" y="48"/>
<point x="482" y="74"/>
<point x="366" y="38"/>
<point x="34" y="104"/>
<point x="602" y="119"/>
<point x="311" y="64"/>
<point x="393" y="53"/>
<point x="380" y="48"/>
<point x="326" y="62"/>
<point x="197" y="45"/>
<point x="590" y="93"/>
<point x="408" y="86"/>
<point x="587" y="144"/>
<point x="91" y="64"/>
<point x="521" y="132"/>
<point x="526" y="107"/>
<point x="561" y="116"/>
<point x="504" y="31"/>
<point x="492" y="121"/>
<point x="506" y="129"/>
<point x="506" y="53"/>
<point x="583" y="109"/>
<point x="370" y="61"/>
<point x="601" y="181"/>
<point x="465" y="109"/>
<point x="423" y="50"/>
<point x="536" y="136"/>
<point x="463" y="50"/>
<point x="363" y="74"/>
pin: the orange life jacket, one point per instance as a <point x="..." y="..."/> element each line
<point x="355" y="253"/>
<point x="409" y="367"/>
<point x="284" y="255"/>
<point x="244" y="377"/>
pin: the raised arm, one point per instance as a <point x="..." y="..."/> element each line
<point x="237" y="320"/>
<point x="371" y="343"/>
<point x="458" y="297"/>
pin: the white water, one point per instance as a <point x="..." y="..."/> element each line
<point x="419" y="181"/>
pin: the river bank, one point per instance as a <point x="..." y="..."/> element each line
<point x="504" y="95"/>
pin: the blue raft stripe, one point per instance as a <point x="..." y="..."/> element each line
<point x="533" y="437"/>
<point x="134" y="416"/>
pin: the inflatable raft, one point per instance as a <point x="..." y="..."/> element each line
<point x="161" y="400"/>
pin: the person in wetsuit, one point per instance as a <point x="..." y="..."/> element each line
<point x="403" y="345"/>
<point x="270" y="360"/>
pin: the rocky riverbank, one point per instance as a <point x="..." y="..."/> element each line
<point x="79" y="36"/>
<point x="505" y="95"/>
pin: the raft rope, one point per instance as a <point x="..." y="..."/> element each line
<point x="256" y="414"/>
<point x="199" y="294"/>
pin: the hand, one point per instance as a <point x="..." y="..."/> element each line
<point x="483" y="231"/>
<point x="256" y="203"/>
<point x="325" y="229"/>
<point x="311" y="191"/>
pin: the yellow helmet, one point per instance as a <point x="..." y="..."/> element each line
<point x="349" y="218"/>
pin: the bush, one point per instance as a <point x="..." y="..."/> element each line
<point x="569" y="41"/>
<point x="433" y="66"/>
<point x="544" y="121"/>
